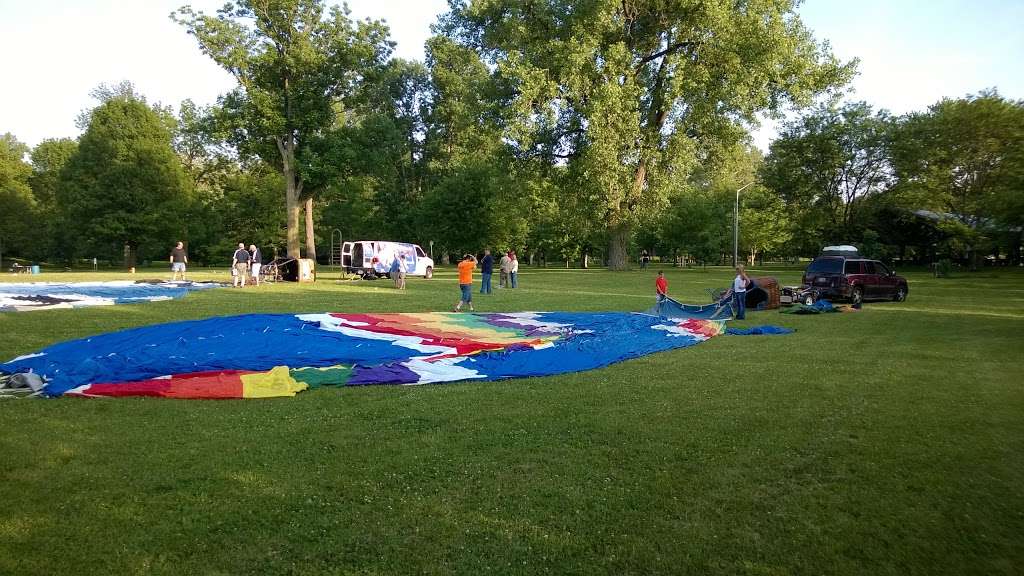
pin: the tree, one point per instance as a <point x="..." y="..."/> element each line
<point x="294" y="66"/>
<point x="374" y="158"/>
<point x="16" y="201"/>
<point x="630" y="94"/>
<point x="765" y="227"/>
<point x="125" y="185"/>
<point x="964" y="158"/>
<point x="699" y="223"/>
<point x="49" y="158"/>
<point x="200" y="145"/>
<point x="826" y="162"/>
<point x="248" y="209"/>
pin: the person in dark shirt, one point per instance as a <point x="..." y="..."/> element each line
<point x="240" y="265"/>
<point x="178" y="261"/>
<point x="486" y="269"/>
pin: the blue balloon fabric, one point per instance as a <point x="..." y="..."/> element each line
<point x="393" y="348"/>
<point x="23" y="296"/>
<point x="766" y="330"/>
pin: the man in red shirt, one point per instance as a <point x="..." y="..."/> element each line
<point x="466" y="268"/>
<point x="661" y="287"/>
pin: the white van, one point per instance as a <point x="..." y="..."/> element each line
<point x="373" y="258"/>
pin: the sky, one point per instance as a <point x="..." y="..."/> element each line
<point x="912" y="52"/>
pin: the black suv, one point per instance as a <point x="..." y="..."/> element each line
<point x="855" y="279"/>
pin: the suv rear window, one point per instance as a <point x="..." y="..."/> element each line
<point x="826" y="266"/>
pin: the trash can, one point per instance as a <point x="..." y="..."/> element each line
<point x="307" y="270"/>
<point x="35" y="268"/>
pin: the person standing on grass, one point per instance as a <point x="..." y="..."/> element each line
<point x="486" y="270"/>
<point x="240" y="264"/>
<point x="178" y="261"/>
<point x="739" y="293"/>
<point x="466" y="268"/>
<point x="257" y="263"/>
<point x="393" y="271"/>
<point x="505" y="264"/>
<point x="661" y="290"/>
<point x="401" y="272"/>
<point x="513" y="269"/>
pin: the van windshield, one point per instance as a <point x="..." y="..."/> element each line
<point x="826" y="266"/>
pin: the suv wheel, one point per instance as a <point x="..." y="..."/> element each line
<point x="901" y="294"/>
<point x="857" y="296"/>
<point x="809" y="299"/>
<point x="429" y="273"/>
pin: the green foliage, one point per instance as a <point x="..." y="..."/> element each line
<point x="48" y="160"/>
<point x="295" y="64"/>
<point x="632" y="94"/>
<point x="248" y="210"/>
<point x="470" y="208"/>
<point x="699" y="223"/>
<point x="373" y="162"/>
<point x="200" y="144"/>
<point x="965" y="157"/>
<point x="123" y="186"/>
<point x="765" y="225"/>
<point x="826" y="163"/>
<point x="17" y="205"/>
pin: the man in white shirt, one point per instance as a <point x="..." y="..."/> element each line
<point x="739" y="293"/>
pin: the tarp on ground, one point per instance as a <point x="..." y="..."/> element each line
<point x="24" y="296"/>
<point x="260" y="355"/>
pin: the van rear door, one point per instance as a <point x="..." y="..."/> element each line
<point x="346" y="255"/>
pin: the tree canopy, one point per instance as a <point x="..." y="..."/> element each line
<point x="124" y="186"/>
<point x="632" y="94"/>
<point x="295" y="62"/>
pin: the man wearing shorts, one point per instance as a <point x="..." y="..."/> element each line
<point x="466" y="268"/>
<point x="178" y="261"/>
<point x="240" y="264"/>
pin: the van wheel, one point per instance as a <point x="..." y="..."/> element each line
<point x="429" y="273"/>
<point x="901" y="294"/>
<point x="857" y="296"/>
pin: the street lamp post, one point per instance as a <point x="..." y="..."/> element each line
<point x="736" y="227"/>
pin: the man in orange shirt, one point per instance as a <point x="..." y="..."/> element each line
<point x="466" y="268"/>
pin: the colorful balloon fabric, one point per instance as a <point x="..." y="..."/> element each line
<point x="267" y="355"/>
<point x="24" y="296"/>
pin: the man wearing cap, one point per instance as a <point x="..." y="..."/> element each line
<point x="240" y="264"/>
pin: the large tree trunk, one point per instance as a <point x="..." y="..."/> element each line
<point x="618" y="247"/>
<point x="292" y="211"/>
<point x="291" y="197"/>
<point x="310" y="237"/>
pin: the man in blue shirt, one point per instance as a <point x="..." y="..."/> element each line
<point x="486" y="269"/>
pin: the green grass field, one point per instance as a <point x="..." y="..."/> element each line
<point x="889" y="441"/>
